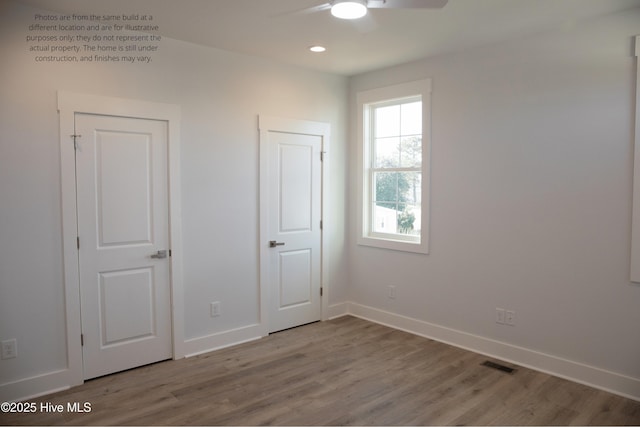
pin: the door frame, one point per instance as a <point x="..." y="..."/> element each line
<point x="68" y="105"/>
<point x="266" y="124"/>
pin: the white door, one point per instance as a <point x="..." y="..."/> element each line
<point x="122" y="190"/>
<point x="293" y="239"/>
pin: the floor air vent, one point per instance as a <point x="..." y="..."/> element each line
<point x="498" y="366"/>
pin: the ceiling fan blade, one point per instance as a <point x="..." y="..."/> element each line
<point x="406" y="4"/>
<point x="306" y="10"/>
<point x="318" y="8"/>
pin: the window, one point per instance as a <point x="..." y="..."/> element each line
<point x="393" y="131"/>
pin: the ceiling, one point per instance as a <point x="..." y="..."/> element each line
<point x="280" y="30"/>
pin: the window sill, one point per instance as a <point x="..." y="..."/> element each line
<point x="395" y="245"/>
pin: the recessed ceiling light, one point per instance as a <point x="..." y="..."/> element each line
<point x="317" y="49"/>
<point x="349" y="9"/>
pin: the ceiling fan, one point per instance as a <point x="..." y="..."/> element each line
<point x="354" y="9"/>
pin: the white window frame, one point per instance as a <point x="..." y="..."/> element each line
<point x="635" y="220"/>
<point x="364" y="100"/>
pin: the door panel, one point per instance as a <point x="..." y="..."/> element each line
<point x="126" y="312"/>
<point x="295" y="184"/>
<point x="123" y="162"/>
<point x="296" y="280"/>
<point x="122" y="187"/>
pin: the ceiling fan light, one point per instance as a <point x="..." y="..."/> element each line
<point x="349" y="9"/>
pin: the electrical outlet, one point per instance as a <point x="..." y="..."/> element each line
<point x="391" y="292"/>
<point x="9" y="349"/>
<point x="500" y="316"/>
<point x="510" y="318"/>
<point x="215" y="309"/>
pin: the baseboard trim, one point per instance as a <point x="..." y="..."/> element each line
<point x="337" y="310"/>
<point x="35" y="386"/>
<point x="200" y="345"/>
<point x="574" y="371"/>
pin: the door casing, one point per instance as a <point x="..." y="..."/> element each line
<point x="68" y="105"/>
<point x="266" y="124"/>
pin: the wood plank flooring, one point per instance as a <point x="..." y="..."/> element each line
<point x="346" y="371"/>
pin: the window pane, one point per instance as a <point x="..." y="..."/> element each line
<point x="398" y="187"/>
<point x="385" y="218"/>
<point x="408" y="219"/>
<point x="387" y="152"/>
<point x="411" y="152"/>
<point x="409" y="187"/>
<point x="388" y="186"/>
<point x="387" y="121"/>
<point x="411" y="118"/>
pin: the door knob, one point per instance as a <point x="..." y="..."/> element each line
<point x="273" y="243"/>
<point x="160" y="254"/>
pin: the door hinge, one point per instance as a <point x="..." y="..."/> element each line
<point x="320" y="224"/>
<point x="75" y="142"/>
<point x="78" y="242"/>
<point x="321" y="291"/>
<point x="81" y="339"/>
<point x="169" y="252"/>
<point x="322" y="155"/>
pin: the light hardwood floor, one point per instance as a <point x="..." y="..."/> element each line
<point x="342" y="372"/>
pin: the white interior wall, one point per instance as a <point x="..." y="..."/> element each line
<point x="531" y="189"/>
<point x="221" y="95"/>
